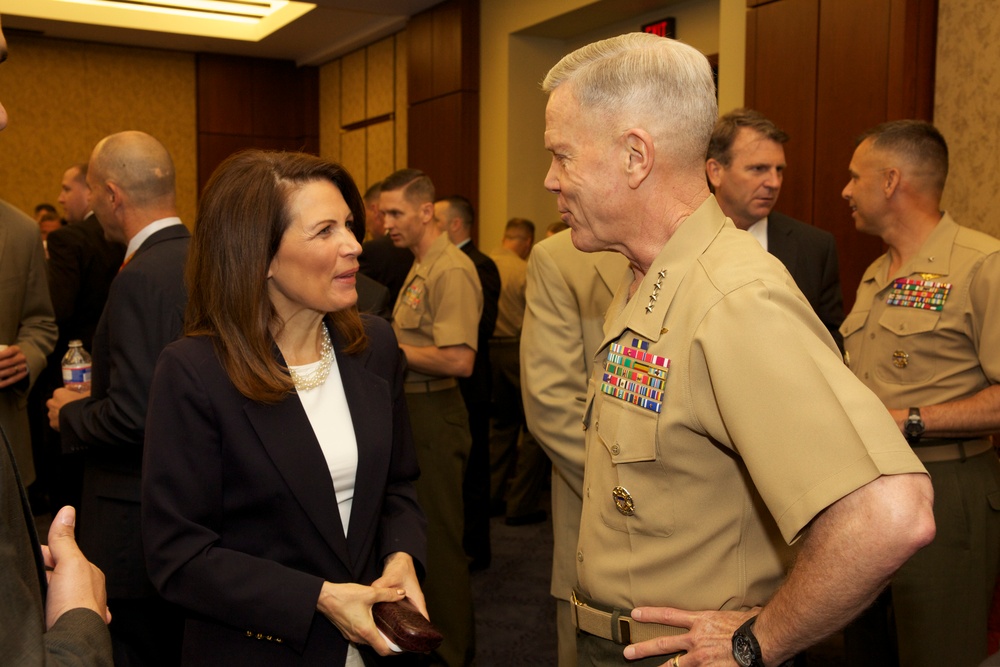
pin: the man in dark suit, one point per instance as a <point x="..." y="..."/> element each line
<point x="82" y="264"/>
<point x="380" y="260"/>
<point x="454" y="216"/>
<point x="46" y="617"/>
<point x="745" y="164"/>
<point x="131" y="178"/>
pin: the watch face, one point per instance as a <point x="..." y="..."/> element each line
<point x="743" y="651"/>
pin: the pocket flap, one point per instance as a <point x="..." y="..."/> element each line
<point x="628" y="433"/>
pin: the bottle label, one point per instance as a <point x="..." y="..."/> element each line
<point x="76" y="374"/>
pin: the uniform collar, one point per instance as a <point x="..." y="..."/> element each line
<point x="646" y="311"/>
<point x="437" y="249"/>
<point x="932" y="261"/>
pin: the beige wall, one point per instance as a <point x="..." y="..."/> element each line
<point x="966" y="112"/>
<point x="64" y="96"/>
<point x="518" y="48"/>
<point x="366" y="84"/>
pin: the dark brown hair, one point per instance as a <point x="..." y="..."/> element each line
<point x="242" y="216"/>
<point x="730" y="124"/>
<point x="916" y="141"/>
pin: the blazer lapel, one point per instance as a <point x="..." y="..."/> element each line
<point x="779" y="242"/>
<point x="365" y="391"/>
<point x="289" y="440"/>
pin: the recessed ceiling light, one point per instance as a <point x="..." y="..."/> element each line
<point x="249" y="20"/>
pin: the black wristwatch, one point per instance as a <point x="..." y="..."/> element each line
<point x="746" y="649"/>
<point x="914" y="427"/>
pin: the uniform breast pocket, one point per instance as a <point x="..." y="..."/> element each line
<point x="906" y="357"/>
<point x="634" y="492"/>
<point x="853" y="322"/>
<point x="407" y="318"/>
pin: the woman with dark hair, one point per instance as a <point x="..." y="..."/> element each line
<point x="278" y="501"/>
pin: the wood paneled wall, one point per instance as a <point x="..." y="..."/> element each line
<point x="826" y="71"/>
<point x="253" y="103"/>
<point x="363" y="114"/>
<point x="443" y="57"/>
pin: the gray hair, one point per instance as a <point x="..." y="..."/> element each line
<point x="641" y="78"/>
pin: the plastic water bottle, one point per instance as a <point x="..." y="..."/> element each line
<point x="76" y="368"/>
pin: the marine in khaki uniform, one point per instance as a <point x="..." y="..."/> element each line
<point x="722" y="425"/>
<point x="436" y="320"/>
<point x="567" y="294"/>
<point x="924" y="335"/>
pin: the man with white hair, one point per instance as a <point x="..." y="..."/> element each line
<point x="722" y="424"/>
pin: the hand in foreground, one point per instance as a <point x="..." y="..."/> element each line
<point x="399" y="572"/>
<point x="13" y="366"/>
<point x="61" y="397"/>
<point x="74" y="581"/>
<point x="349" y="607"/>
<point x="709" y="640"/>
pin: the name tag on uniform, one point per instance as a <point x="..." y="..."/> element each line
<point x="923" y="294"/>
<point x="414" y="293"/>
<point x="634" y="375"/>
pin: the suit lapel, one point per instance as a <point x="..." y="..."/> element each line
<point x="364" y="389"/>
<point x="779" y="242"/>
<point x="287" y="436"/>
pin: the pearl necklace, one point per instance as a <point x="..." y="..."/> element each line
<point x="316" y="377"/>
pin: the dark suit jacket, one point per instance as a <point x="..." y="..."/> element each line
<point x="810" y="255"/>
<point x="373" y="297"/>
<point x="477" y="387"/>
<point x="383" y="262"/>
<point x="82" y="264"/>
<point x="144" y="313"/>
<point x="240" y="517"/>
<point x="79" y="637"/>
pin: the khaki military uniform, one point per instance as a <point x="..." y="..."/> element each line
<point x="722" y="420"/>
<point x="930" y="334"/>
<point x="440" y="305"/>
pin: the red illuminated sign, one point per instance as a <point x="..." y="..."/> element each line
<point x="663" y="28"/>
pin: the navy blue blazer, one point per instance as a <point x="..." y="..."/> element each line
<point x="810" y="255"/>
<point x="240" y="520"/>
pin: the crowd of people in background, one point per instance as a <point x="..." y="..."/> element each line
<point x="314" y="403"/>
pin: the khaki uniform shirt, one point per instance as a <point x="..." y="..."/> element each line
<point x="513" y="281"/>
<point x="440" y="302"/>
<point x="931" y="333"/>
<point x="698" y="478"/>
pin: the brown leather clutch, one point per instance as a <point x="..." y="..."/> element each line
<point x="406" y="627"/>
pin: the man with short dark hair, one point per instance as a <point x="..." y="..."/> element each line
<point x="380" y="260"/>
<point x="82" y="264"/>
<point x="924" y="336"/>
<point x="436" y="321"/>
<point x="455" y="216"/>
<point x="722" y="425"/>
<point x="745" y="167"/>
<point x="518" y="465"/>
